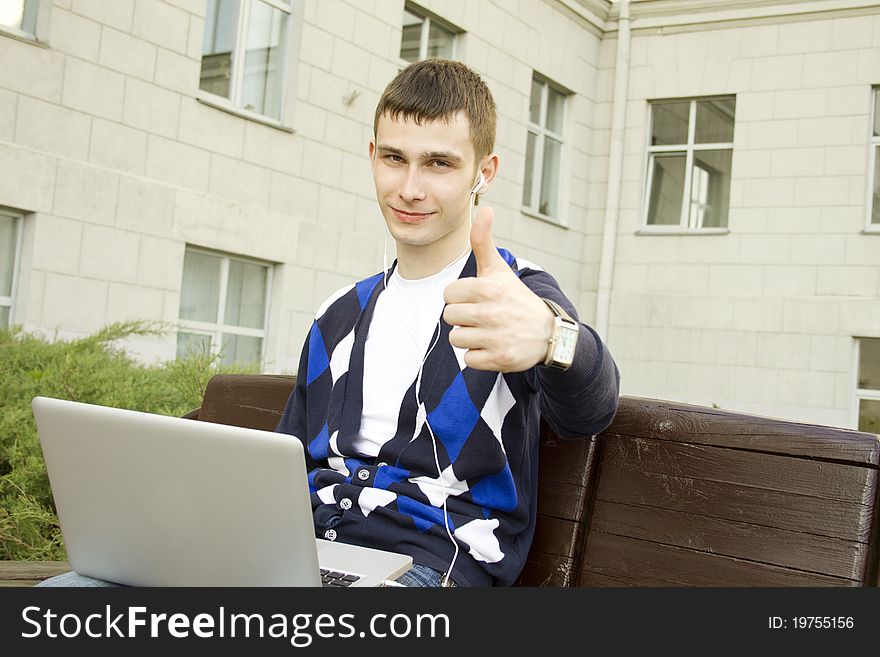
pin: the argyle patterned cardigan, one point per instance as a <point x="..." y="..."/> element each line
<point x="486" y="427"/>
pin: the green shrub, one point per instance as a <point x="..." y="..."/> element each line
<point x="95" y="370"/>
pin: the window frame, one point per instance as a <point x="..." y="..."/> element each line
<point x="540" y="132"/>
<point x="683" y="225"/>
<point x="215" y="330"/>
<point x="10" y="301"/>
<point x="873" y="146"/>
<point x="234" y="104"/>
<point x="427" y="18"/>
<point x="868" y="394"/>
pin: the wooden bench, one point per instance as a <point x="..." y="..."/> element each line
<point x="28" y="573"/>
<point x="678" y="495"/>
<point x="673" y="495"/>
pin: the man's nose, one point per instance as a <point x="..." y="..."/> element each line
<point x="412" y="188"/>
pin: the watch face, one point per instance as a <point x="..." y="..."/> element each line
<point x="566" y="341"/>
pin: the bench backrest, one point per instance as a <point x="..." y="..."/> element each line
<point x="675" y="495"/>
<point x="681" y="495"/>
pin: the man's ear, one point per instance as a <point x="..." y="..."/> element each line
<point x="489" y="169"/>
<point x="372" y="151"/>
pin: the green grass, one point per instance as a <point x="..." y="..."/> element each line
<point x="96" y="370"/>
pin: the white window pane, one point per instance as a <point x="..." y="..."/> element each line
<point x="869" y="364"/>
<point x="667" y="189"/>
<point x="669" y="123"/>
<point x="7" y="254"/>
<point x="4" y="317"/>
<point x="530" y="170"/>
<point x="19" y="14"/>
<point x="710" y="189"/>
<point x="245" y="295"/>
<point x="550" y="177"/>
<point x="699" y="196"/>
<point x="875" y="209"/>
<point x="200" y="292"/>
<point x="715" y="121"/>
<point x="555" y="106"/>
<point x="11" y="13"/>
<point x="193" y="345"/>
<point x="535" y="101"/>
<point x="264" y="60"/>
<point x="439" y="41"/>
<point x="218" y="46"/>
<point x="241" y="349"/>
<point x="869" y="415"/>
<point x="877" y="112"/>
<point x="411" y="37"/>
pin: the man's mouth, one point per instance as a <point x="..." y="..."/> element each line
<point x="410" y="217"/>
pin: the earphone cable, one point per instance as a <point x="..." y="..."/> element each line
<point x="435" y="339"/>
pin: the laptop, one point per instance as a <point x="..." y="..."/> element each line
<point x="152" y="500"/>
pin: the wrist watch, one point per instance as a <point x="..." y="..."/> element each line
<point x="563" y="340"/>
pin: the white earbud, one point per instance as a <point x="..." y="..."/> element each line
<point x="480" y="183"/>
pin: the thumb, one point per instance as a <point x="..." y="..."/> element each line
<point x="483" y="245"/>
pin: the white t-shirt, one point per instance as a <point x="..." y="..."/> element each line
<point x="403" y="324"/>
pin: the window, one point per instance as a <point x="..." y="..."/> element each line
<point x="244" y="52"/>
<point x="874" y="190"/>
<point x="223" y="306"/>
<point x="544" y="149"/>
<point x="868" y="387"/>
<point x="689" y="158"/>
<point x="10" y="238"/>
<point x="19" y="17"/>
<point x="425" y="36"/>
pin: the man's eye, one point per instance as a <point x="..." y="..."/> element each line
<point x="440" y="164"/>
<point x="395" y="158"/>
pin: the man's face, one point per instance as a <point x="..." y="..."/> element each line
<point x="423" y="175"/>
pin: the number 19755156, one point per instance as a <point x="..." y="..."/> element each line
<point x="811" y="623"/>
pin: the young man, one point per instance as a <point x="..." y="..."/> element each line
<point x="420" y="390"/>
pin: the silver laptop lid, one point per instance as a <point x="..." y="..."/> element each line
<point x="150" y="500"/>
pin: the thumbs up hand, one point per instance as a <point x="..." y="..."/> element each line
<point x="503" y="324"/>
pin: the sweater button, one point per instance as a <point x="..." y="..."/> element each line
<point x="330" y="534"/>
<point x="363" y="475"/>
<point x="345" y="503"/>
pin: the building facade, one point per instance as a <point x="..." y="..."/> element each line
<point x="699" y="176"/>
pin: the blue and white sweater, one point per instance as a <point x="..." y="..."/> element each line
<point x="486" y="425"/>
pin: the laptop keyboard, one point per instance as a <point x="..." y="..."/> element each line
<point x="332" y="578"/>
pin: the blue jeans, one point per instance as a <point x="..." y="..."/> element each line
<point x="418" y="575"/>
<point x="75" y="579"/>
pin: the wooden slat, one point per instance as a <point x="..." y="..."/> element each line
<point x="819" y="554"/>
<point x="665" y="420"/>
<point x="560" y="500"/>
<point x="17" y="583"/>
<point x="28" y="573"/>
<point x="641" y="563"/>
<point x="833" y="518"/>
<point x="547" y="570"/>
<point x="588" y="578"/>
<point x="565" y="478"/>
<point x="240" y="400"/>
<point x="565" y="461"/>
<point x="761" y="470"/>
<point x="559" y="537"/>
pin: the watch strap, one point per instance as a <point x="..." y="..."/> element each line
<point x="558" y="310"/>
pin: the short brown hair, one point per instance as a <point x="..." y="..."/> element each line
<point x="436" y="89"/>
